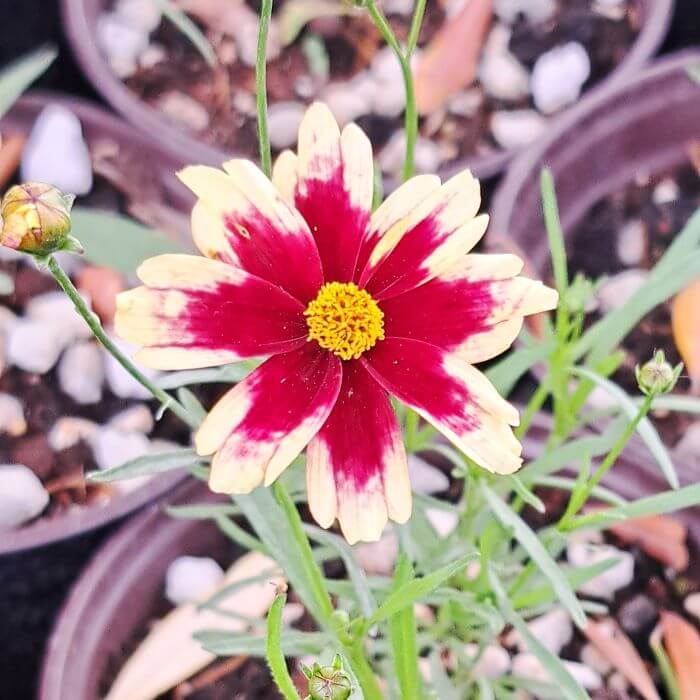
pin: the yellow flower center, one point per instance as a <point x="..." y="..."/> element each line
<point x="345" y="320"/>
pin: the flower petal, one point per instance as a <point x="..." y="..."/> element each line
<point x="452" y="395"/>
<point x="334" y="189"/>
<point x="356" y="465"/>
<point x="475" y="309"/>
<point x="284" y="175"/>
<point x="264" y="422"/>
<point x="197" y="312"/>
<point x="427" y="240"/>
<point x="240" y="218"/>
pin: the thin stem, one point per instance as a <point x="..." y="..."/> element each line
<point x="363" y="672"/>
<point x="416" y="23"/>
<point x="411" y="115"/>
<point x="533" y="406"/>
<point x="261" y="87"/>
<point x="95" y="326"/>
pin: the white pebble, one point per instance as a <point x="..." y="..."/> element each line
<point x="493" y="663"/>
<point x="528" y="666"/>
<point x="666" y="191"/>
<point x="632" y="242"/>
<point x="444" y="521"/>
<point x="140" y="14"/>
<point x="185" y="110"/>
<point x="427" y="154"/>
<point x="553" y="629"/>
<point x="345" y="103"/>
<point x="69" y="431"/>
<point x="283" y="120"/>
<point x="532" y="10"/>
<point x="425" y="478"/>
<point x="135" y="419"/>
<point x="56" y="152"/>
<point x="389" y="96"/>
<point x="56" y="311"/>
<point x="81" y="373"/>
<point x="152" y="56"/>
<point x="121" y="42"/>
<point x="32" y="346"/>
<point x="617" y="290"/>
<point x="12" y="420"/>
<point x="692" y="605"/>
<point x="113" y="447"/>
<point x="191" y="579"/>
<point x="604" y="585"/>
<point x="22" y="496"/>
<point x="398" y="7"/>
<point x="558" y="77"/>
<point x="584" y="676"/>
<point x="465" y="103"/>
<point x="119" y="380"/>
<point x="516" y="128"/>
<point x="378" y="558"/>
<point x="595" y="659"/>
<point x="247" y="38"/>
<point x="501" y="75"/>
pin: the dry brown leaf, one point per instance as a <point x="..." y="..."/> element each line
<point x="683" y="644"/>
<point x="661" y="537"/>
<point x="685" y="319"/>
<point x="169" y="655"/>
<point x="450" y="60"/>
<point x="615" y="645"/>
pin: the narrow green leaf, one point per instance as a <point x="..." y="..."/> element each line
<point x="485" y="689"/>
<point x="293" y="643"/>
<point x="417" y="589"/>
<point x="646" y="429"/>
<point x="188" y="29"/>
<point x="674" y="402"/>
<point x="563" y="483"/>
<point x="228" y="374"/>
<point x="560" y="675"/>
<point x="534" y="547"/>
<point x="439" y="680"/>
<point x="116" y="241"/>
<point x="150" y="464"/>
<point x="237" y="534"/>
<point x="203" y="511"/>
<point x="525" y="494"/>
<point x="191" y="403"/>
<point x="19" y="75"/>
<point x="274" y="654"/>
<point x="402" y="635"/>
<point x="554" y="232"/>
<point x="294" y="15"/>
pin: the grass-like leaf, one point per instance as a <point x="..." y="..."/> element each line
<point x="149" y="464"/>
<point x="292" y="643"/>
<point x="19" y="75"/>
<point x="534" y="547"/>
<point x="228" y="374"/>
<point x="274" y="653"/>
<point x="189" y="29"/>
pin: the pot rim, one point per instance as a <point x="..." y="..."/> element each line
<point x="81" y="36"/>
<point x="43" y="532"/>
<point x="108" y="578"/>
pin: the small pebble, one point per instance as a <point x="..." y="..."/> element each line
<point x="135" y="419"/>
<point x="443" y="521"/>
<point x="81" y="373"/>
<point x="119" y="380"/>
<point x="56" y="311"/>
<point x="617" y="290"/>
<point x="140" y="14"/>
<point x="152" y="56"/>
<point x="22" y="496"/>
<point x="465" y="103"/>
<point x="243" y="102"/>
<point x="389" y="96"/>
<point x="425" y="478"/>
<point x="399" y="7"/>
<point x="113" y="447"/>
<point x="604" y="585"/>
<point x="666" y="191"/>
<point x="247" y="38"/>
<point x="501" y="75"/>
<point x="528" y="666"/>
<point x="69" y="431"/>
<point x="619" y="684"/>
<point x="121" y="42"/>
<point x="516" y="128"/>
<point x="692" y="605"/>
<point x="532" y="10"/>
<point x="185" y="110"/>
<point x="632" y="242"/>
<point x="33" y="347"/>
<point x="346" y="104"/>
<point x="554" y="629"/>
<point x="637" y="614"/>
<point x="558" y="77"/>
<point x="12" y="421"/>
<point x="284" y="119"/>
<point x="493" y="663"/>
<point x="378" y="558"/>
<point x="427" y="154"/>
<point x="191" y="579"/>
<point x="586" y="677"/>
<point x="56" y="152"/>
<point x="594" y="659"/>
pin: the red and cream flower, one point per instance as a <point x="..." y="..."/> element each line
<point x="352" y="307"/>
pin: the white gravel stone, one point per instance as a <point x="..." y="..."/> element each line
<point x="494" y="662"/>
<point x="465" y="103"/>
<point x="69" y="431"/>
<point x="284" y="119"/>
<point x="399" y="7"/>
<point x="247" y="38"/>
<point x="427" y="154"/>
<point x="617" y="290"/>
<point x="425" y="478"/>
<point x="517" y="128"/>
<point x="389" y="97"/>
<point x="579" y="553"/>
<point x="56" y="311"/>
<point x="501" y="75"/>
<point x="119" y="380"/>
<point x="12" y="421"/>
<point x="632" y="242"/>
<point x="22" y="496"/>
<point x="81" y="373"/>
<point x="692" y="605"/>
<point x="378" y="558"/>
<point x="666" y="191"/>
<point x="533" y="10"/>
<point x="554" y="629"/>
<point x="56" y="152"/>
<point x="152" y="56"/>
<point x="558" y="77"/>
<point x="135" y="419"/>
<point x="528" y="666"/>
<point x="32" y="346"/>
<point x="587" y="677"/>
<point x="113" y="447"/>
<point x="121" y="42"/>
<point x="346" y="103"/>
<point x="140" y="14"/>
<point x="191" y="579"/>
<point x="185" y="110"/>
<point x="443" y="521"/>
<point x="594" y="659"/>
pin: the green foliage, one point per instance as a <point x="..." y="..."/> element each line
<point x="275" y="655"/>
<point x="19" y="75"/>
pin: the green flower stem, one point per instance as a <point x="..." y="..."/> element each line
<point x="416" y="23"/>
<point x="95" y="326"/>
<point x="411" y="117"/>
<point x="261" y="87"/>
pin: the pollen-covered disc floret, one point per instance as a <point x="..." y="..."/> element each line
<point x="345" y="320"/>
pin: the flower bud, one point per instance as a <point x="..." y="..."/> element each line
<point x="328" y="682"/>
<point x="657" y="376"/>
<point x="36" y="219"/>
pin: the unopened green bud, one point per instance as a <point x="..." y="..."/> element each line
<point x="328" y="682"/>
<point x="657" y="376"/>
<point x="35" y="219"/>
<point x="578" y="296"/>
